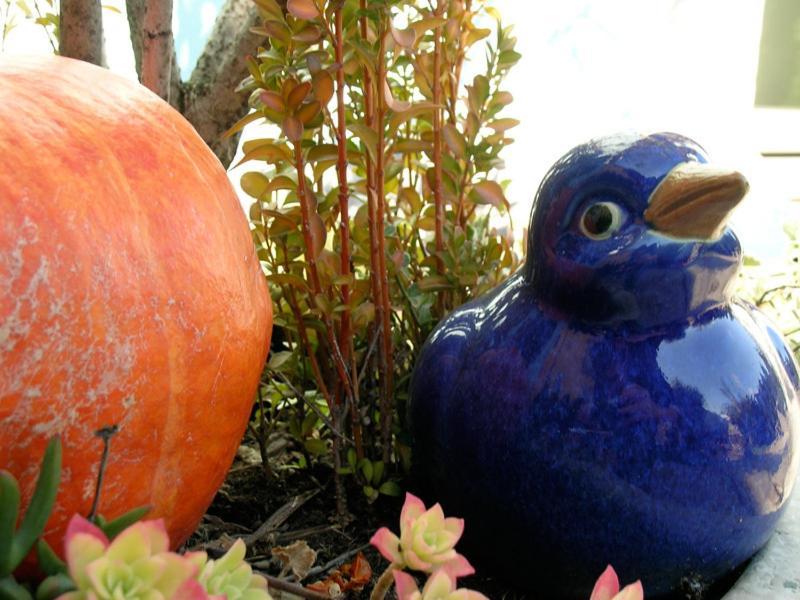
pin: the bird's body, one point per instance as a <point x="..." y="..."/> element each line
<point x="610" y="403"/>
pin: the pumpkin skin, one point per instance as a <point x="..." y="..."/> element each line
<point x="130" y="294"/>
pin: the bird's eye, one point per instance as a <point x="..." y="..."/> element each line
<point x="600" y="220"/>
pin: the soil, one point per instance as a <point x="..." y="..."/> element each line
<point x="301" y="505"/>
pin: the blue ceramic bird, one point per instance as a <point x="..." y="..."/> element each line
<point x="611" y="402"/>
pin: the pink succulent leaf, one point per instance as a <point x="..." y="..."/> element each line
<point x="634" y="591"/>
<point x="458" y="567"/>
<point x="607" y="585"/>
<point x="198" y="559"/>
<point x="405" y="585"/>
<point x="439" y="585"/>
<point x="413" y="560"/>
<point x="465" y="594"/>
<point x="95" y="572"/>
<point x="84" y="543"/>
<point x="455" y="527"/>
<point x="388" y="544"/>
<point x="175" y="571"/>
<point x="78" y="524"/>
<point x="192" y="590"/>
<point x="413" y="508"/>
<point x="435" y="514"/>
<point x="142" y="539"/>
<point x="156" y="532"/>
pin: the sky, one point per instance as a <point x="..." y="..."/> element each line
<point x="594" y="67"/>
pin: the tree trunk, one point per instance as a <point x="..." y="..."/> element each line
<point x="210" y="101"/>
<point x="81" y="30"/>
<point x="135" y="10"/>
<point x="158" y="48"/>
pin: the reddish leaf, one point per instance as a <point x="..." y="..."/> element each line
<point x="298" y="94"/>
<point x="307" y="112"/>
<point x="292" y="128"/>
<point x="404" y="37"/>
<point x="392" y="102"/>
<point x="272" y="100"/>
<point x="308" y="35"/>
<point x="318" y="234"/>
<point x="454" y="140"/>
<point x="302" y="9"/>
<point x="501" y="125"/>
<point x="488" y="192"/>
<point x="502" y="98"/>
<point x="323" y="87"/>
<point x="277" y="30"/>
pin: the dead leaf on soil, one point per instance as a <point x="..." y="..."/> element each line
<point x="297" y="557"/>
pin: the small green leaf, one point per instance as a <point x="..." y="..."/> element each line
<point x="316" y="446"/>
<point x="390" y="488"/>
<point x="488" y="192"/>
<point x="288" y="279"/>
<point x="254" y="184"/>
<point x="116" y="526"/>
<point x="370" y="492"/>
<point x="48" y="560"/>
<point x="241" y="123"/>
<point x="41" y="504"/>
<point x="365" y="53"/>
<point x="368" y="137"/>
<point x="9" y="512"/>
<point x="323" y="152"/>
<point x="434" y="283"/>
<point x="509" y="58"/>
<point x="411" y="145"/>
<point x="54" y="586"/>
<point x="267" y="151"/>
<point x="377" y="472"/>
<point x="366" y="468"/>
<point x="750" y="261"/>
<point x="11" y="590"/>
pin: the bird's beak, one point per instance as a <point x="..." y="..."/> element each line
<point x="694" y="201"/>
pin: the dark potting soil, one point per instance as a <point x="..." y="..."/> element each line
<point x="300" y="504"/>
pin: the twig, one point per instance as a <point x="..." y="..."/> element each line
<point x="438" y="201"/>
<point x="312" y="406"/>
<point x="375" y="337"/>
<point x="279" y="517"/>
<point x="386" y="406"/>
<point x="335" y="562"/>
<point x="46" y="30"/>
<point x="106" y="433"/>
<point x="276" y="583"/>
<point x="788" y="286"/>
<point x="298" y="534"/>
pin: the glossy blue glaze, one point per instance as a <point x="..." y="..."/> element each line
<point x="610" y="402"/>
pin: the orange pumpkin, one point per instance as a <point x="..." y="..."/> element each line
<point x="130" y="294"/>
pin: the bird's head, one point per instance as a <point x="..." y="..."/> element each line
<point x="632" y="229"/>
